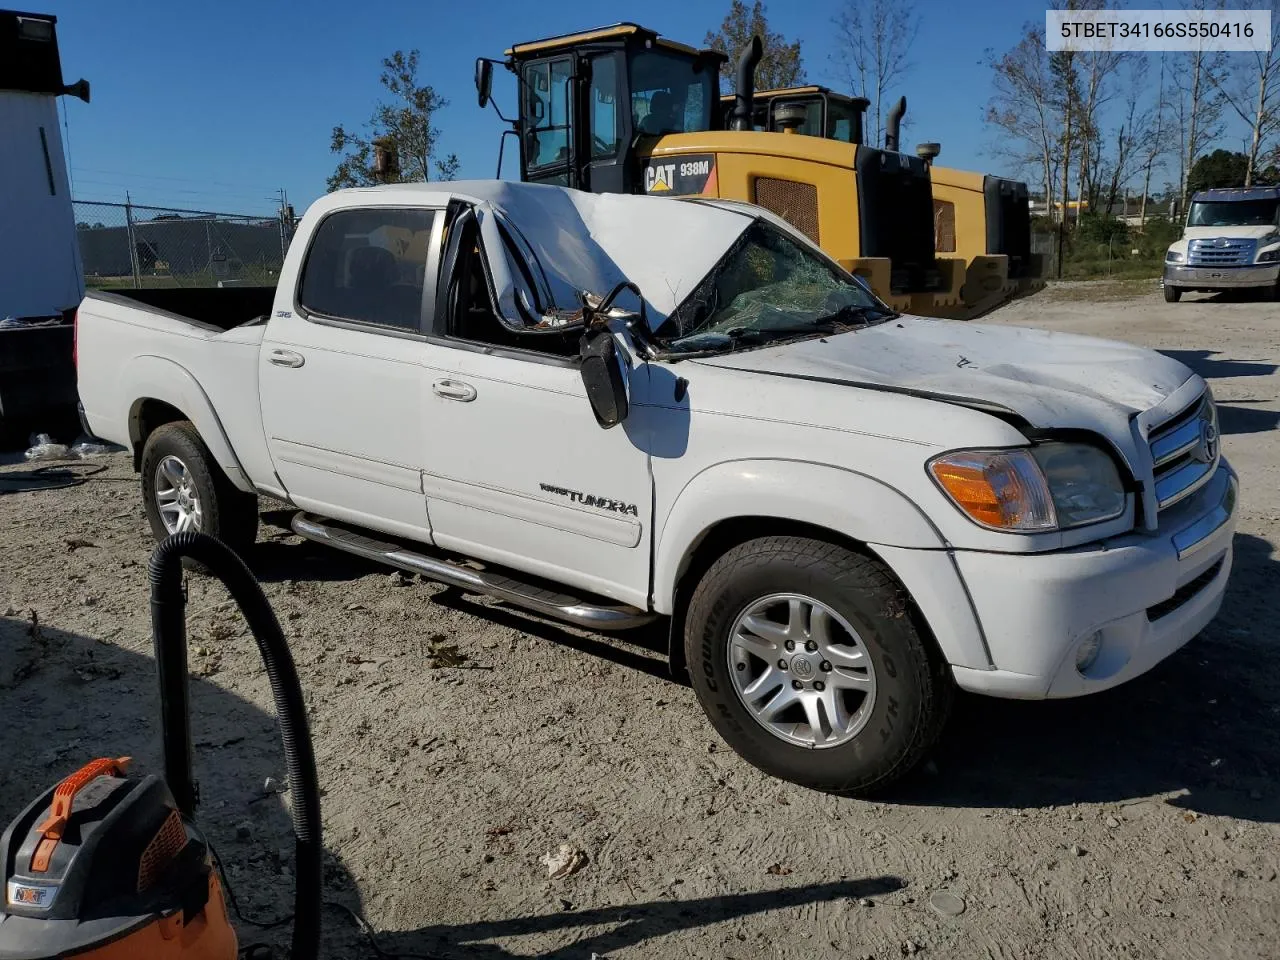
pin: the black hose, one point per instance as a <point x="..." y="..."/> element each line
<point x="168" y="624"/>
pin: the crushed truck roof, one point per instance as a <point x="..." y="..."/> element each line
<point x="591" y="242"/>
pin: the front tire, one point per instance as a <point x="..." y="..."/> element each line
<point x="1172" y="294"/>
<point x="806" y="658"/>
<point x="183" y="488"/>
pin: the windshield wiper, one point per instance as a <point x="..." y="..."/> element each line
<point x="857" y="313"/>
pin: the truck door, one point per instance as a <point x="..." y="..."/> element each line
<point x="518" y="471"/>
<point x="342" y="381"/>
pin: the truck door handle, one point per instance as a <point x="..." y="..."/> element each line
<point x="454" y="390"/>
<point x="286" y="358"/>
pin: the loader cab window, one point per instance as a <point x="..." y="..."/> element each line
<point x="843" y="121"/>
<point x="603" y="104"/>
<point x="547" y="144"/>
<point x="670" y="92"/>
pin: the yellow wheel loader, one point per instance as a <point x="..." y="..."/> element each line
<point x="620" y="109"/>
<point x="982" y="219"/>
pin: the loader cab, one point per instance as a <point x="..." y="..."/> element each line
<point x="588" y="101"/>
<point x="810" y="111"/>
<point x="895" y="195"/>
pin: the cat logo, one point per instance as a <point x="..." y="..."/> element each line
<point x="684" y="176"/>
<point x="657" y="178"/>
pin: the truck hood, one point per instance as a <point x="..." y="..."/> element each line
<point x="1235" y="232"/>
<point x="1046" y="380"/>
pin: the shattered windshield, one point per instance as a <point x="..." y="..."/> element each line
<point x="768" y="288"/>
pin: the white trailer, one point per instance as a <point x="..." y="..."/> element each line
<point x="41" y="280"/>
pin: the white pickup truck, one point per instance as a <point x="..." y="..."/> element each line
<point x="609" y="409"/>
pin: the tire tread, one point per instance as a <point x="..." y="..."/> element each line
<point x="870" y="575"/>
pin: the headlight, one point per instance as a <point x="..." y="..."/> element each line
<point x="1173" y="256"/>
<point x="1051" y="486"/>
<point x="1269" y="256"/>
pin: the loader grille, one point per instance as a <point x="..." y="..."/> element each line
<point x="793" y="201"/>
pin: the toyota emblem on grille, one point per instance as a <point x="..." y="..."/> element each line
<point x="1208" y="451"/>
<point x="1223" y="241"/>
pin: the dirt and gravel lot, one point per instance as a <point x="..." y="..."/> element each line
<point x="459" y="741"/>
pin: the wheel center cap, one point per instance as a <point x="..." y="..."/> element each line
<point x="801" y="667"/>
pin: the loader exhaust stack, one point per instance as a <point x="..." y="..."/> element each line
<point x="894" y="125"/>
<point x="744" y="95"/>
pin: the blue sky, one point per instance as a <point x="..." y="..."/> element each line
<point x="219" y="105"/>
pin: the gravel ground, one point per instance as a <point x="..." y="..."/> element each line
<point x="460" y="741"/>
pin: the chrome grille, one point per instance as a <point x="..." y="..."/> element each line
<point x="1185" y="450"/>
<point x="1221" y="252"/>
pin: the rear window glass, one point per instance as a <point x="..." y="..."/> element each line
<point x="368" y="266"/>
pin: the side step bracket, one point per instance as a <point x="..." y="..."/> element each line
<point x="547" y="602"/>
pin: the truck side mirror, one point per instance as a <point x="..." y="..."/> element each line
<point x="603" y="377"/>
<point x="484" y="81"/>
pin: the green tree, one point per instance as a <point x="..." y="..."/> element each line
<point x="1222" y="168"/>
<point x="405" y="120"/>
<point x="781" y="66"/>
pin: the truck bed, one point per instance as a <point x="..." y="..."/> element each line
<point x="196" y="348"/>
<point x="222" y="309"/>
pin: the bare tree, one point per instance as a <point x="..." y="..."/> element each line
<point x="1066" y="76"/>
<point x="1132" y="127"/>
<point x="1197" y="74"/>
<point x="1023" y="108"/>
<point x="1156" y="146"/>
<point x="1097" y="71"/>
<point x="874" y="40"/>
<point x="1252" y="91"/>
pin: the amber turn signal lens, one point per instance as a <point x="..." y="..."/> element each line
<point x="1000" y="489"/>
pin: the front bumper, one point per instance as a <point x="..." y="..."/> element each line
<point x="1146" y="594"/>
<point x="1215" y="278"/>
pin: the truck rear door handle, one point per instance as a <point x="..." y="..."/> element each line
<point x="286" y="358"/>
<point x="454" y="390"/>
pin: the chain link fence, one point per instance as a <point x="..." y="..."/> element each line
<point x="127" y="245"/>
<point x="1048" y="245"/>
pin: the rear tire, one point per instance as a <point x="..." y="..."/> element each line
<point x="183" y="488"/>
<point x="895" y="688"/>
<point x="1172" y="294"/>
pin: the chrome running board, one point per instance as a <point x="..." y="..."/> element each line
<point x="549" y="603"/>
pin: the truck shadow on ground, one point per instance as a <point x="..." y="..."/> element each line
<point x="634" y="923"/>
<point x="1201" y="730"/>
<point x="1234" y="416"/>
<point x="1208" y="364"/>
<point x="115" y="713"/>
<point x="279" y="555"/>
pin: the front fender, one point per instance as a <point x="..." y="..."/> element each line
<point x="851" y="504"/>
<point x="159" y="378"/>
